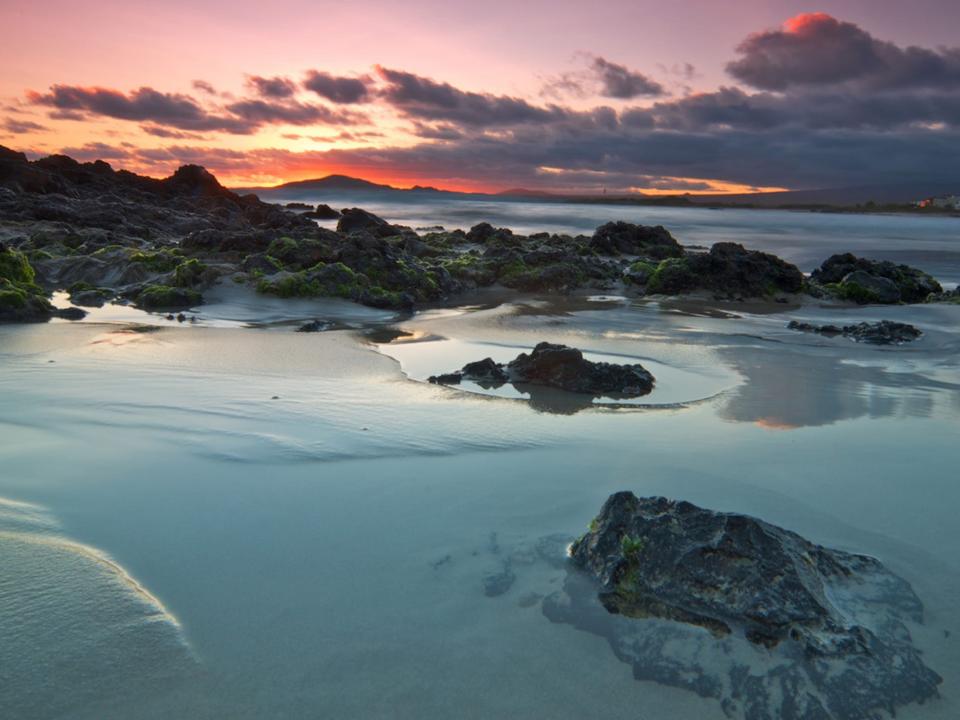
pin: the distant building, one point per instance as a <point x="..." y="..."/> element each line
<point x="943" y="202"/>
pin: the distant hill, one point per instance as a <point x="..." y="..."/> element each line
<point x="892" y="193"/>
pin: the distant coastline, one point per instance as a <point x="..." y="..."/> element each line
<point x="799" y="200"/>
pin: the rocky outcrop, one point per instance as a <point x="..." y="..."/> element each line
<point x="559" y="367"/>
<point x="728" y="270"/>
<point x="354" y="219"/>
<point x="625" y="238"/>
<point x="885" y="332"/>
<point x="874" y="281"/>
<point x="734" y="608"/>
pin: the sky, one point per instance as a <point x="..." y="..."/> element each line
<point x="619" y="96"/>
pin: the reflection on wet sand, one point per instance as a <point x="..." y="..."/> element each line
<point x="787" y="390"/>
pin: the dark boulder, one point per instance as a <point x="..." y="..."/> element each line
<point x="729" y="270"/>
<point x="793" y="630"/>
<point x="355" y="219"/>
<point x="484" y="232"/>
<point x="914" y="285"/>
<point x="862" y="287"/>
<point x="628" y="239"/>
<point x="322" y="212"/>
<point x="885" y="332"/>
<point x="559" y="367"/>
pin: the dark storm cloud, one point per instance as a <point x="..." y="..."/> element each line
<point x="20" y="127"/>
<point x="342" y="90"/>
<point x="618" y="81"/>
<point x="263" y="112"/>
<point x="817" y="49"/>
<point x="422" y="98"/>
<point x="274" y="88"/>
<point x="143" y="104"/>
<point x="169" y="112"/>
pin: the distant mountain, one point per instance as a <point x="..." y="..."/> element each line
<point x="891" y="193"/>
<point x="330" y="183"/>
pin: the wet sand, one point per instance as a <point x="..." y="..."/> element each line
<point x="316" y="522"/>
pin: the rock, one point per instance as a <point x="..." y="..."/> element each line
<point x="734" y="608"/>
<point x="94" y="297"/>
<point x="862" y="287"/>
<point x="729" y="271"/>
<point x="260" y="263"/>
<point x="484" y="232"/>
<point x="497" y="584"/>
<point x="71" y="313"/>
<point x="323" y="212"/>
<point x="485" y="371"/>
<point x="154" y="297"/>
<point x="560" y="367"/>
<point x="885" y="332"/>
<point x="314" y="326"/>
<point x="354" y="219"/>
<point x="914" y="285"/>
<point x="626" y="238"/>
<point x="453" y="378"/>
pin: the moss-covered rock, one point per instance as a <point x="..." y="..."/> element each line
<point x="21" y="300"/>
<point x="163" y="260"/>
<point x="189" y="274"/>
<point x="15" y="267"/>
<point x="164" y="297"/>
<point x="914" y="285"/>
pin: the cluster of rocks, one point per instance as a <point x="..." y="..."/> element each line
<point x="560" y="367"/>
<point x="734" y="608"/>
<point x="884" y="332"/>
<point x="109" y="235"/>
<point x="871" y="281"/>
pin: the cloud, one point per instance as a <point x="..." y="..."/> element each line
<point x="159" y="131"/>
<point x="793" y="121"/>
<point x="437" y="132"/>
<point x="21" y="127"/>
<point x="341" y="90"/>
<point x="816" y="49"/>
<point x="261" y="112"/>
<point x="143" y="104"/>
<point x="617" y="81"/>
<point x="422" y="98"/>
<point x="204" y="86"/>
<point x="176" y="112"/>
<point x="274" y="88"/>
<point x="602" y="78"/>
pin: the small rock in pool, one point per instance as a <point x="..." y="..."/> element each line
<point x="885" y="332"/>
<point x="498" y="583"/>
<point x="556" y="366"/>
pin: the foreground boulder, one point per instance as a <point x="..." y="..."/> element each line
<point x="885" y="332"/>
<point x="560" y="367"/>
<point x="734" y="608"/>
<point x="874" y="281"/>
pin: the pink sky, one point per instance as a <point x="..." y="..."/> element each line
<point x="497" y="48"/>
